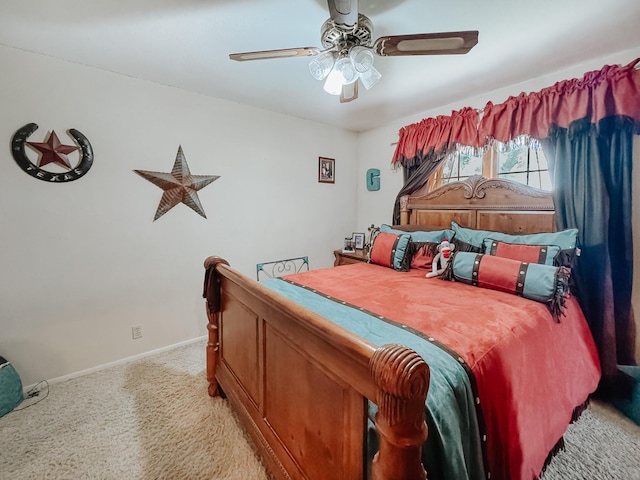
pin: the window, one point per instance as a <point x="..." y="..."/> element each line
<point x="524" y="164"/>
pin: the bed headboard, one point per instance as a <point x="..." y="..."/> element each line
<point x="487" y="204"/>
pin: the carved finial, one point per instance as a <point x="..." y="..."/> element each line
<point x="471" y="184"/>
<point x="400" y="373"/>
<point x="402" y="377"/>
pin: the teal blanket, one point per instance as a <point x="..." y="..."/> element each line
<point x="453" y="450"/>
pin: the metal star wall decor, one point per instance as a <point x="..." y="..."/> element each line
<point x="52" y="152"/>
<point x="179" y="186"/>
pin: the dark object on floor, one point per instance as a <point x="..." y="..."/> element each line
<point x="630" y="404"/>
<point x="10" y="387"/>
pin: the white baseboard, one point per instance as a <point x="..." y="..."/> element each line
<point x="117" y="362"/>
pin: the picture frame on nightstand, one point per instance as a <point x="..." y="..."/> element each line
<point x="358" y="240"/>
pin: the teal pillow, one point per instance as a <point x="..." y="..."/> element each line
<point x="565" y="239"/>
<point x="421" y="236"/>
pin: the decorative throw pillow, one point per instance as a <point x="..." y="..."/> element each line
<point x="391" y="250"/>
<point x="422" y="254"/>
<point x="542" y="283"/>
<point x="565" y="239"/>
<point x="462" y="246"/>
<point x="424" y="243"/>
<point x="421" y="236"/>
<point x="543" y="254"/>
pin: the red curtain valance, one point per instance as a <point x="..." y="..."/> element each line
<point x="613" y="90"/>
<point x="435" y="133"/>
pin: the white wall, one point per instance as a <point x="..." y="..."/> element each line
<point x="375" y="151"/>
<point x="82" y="262"/>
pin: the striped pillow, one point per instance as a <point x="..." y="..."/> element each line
<point x="544" y="254"/>
<point x="539" y="282"/>
<point x="391" y="250"/>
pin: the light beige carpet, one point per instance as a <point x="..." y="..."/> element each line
<point x="153" y="420"/>
<point x="602" y="445"/>
<point x="150" y="419"/>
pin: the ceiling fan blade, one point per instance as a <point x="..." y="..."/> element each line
<point x="344" y="12"/>
<point x="445" y="43"/>
<point x="282" y="53"/>
<point x="349" y="92"/>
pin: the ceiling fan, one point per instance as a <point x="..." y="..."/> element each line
<point x="347" y="51"/>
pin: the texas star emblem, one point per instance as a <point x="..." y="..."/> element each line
<point x="54" y="152"/>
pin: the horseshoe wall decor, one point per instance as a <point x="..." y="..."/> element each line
<point x="20" y="156"/>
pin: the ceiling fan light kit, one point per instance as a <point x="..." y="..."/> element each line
<point x="370" y="78"/>
<point x="321" y="65"/>
<point x="343" y="73"/>
<point x="361" y="57"/>
<point x="348" y="54"/>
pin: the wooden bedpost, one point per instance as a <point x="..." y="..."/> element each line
<point x="211" y="293"/>
<point x="404" y="210"/>
<point x="402" y="377"/>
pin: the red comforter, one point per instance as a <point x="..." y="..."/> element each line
<point x="531" y="372"/>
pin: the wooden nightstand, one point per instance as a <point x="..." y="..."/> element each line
<point x="345" y="258"/>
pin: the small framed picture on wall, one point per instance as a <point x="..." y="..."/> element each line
<point x="326" y="170"/>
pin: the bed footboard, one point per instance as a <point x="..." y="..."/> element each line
<point x="300" y="384"/>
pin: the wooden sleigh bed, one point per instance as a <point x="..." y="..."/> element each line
<point x="303" y="386"/>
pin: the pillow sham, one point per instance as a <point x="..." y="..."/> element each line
<point x="565" y="239"/>
<point x="466" y="247"/>
<point x="421" y="236"/>
<point x="424" y="243"/>
<point x="391" y="250"/>
<point x="542" y="283"/>
<point x="544" y="254"/>
<point x="422" y="254"/>
<point x="414" y="228"/>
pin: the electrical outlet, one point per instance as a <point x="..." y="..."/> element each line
<point x="136" y="331"/>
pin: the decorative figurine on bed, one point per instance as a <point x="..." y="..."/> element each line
<point x="441" y="260"/>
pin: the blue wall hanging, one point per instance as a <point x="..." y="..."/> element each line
<point x="373" y="179"/>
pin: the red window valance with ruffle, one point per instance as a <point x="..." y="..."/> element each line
<point x="613" y="90"/>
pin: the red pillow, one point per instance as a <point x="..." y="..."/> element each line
<point x="391" y="250"/>
<point x="542" y="254"/>
<point x="423" y="254"/>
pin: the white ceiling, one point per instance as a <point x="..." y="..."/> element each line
<point x="185" y="43"/>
